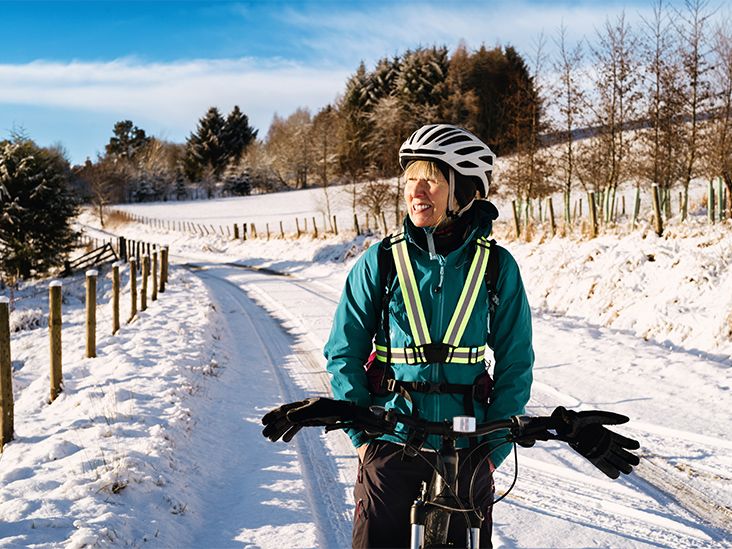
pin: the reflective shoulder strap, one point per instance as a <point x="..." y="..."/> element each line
<point x="465" y="304"/>
<point x="410" y="291"/>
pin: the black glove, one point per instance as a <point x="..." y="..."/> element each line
<point x="284" y="422"/>
<point x="586" y="434"/>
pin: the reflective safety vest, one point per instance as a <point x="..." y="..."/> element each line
<point x="425" y="351"/>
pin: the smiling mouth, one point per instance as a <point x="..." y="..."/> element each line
<point x="421" y="207"/>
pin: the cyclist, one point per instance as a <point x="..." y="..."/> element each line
<point x="428" y="326"/>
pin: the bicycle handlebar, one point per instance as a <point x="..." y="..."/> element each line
<point x="585" y="432"/>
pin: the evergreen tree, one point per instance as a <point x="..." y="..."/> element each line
<point x="218" y="142"/>
<point x="127" y="140"/>
<point x="206" y="146"/>
<point x="353" y="110"/>
<point x="36" y="209"/>
<point x="460" y="105"/>
<point x="382" y="82"/>
<point x="421" y="78"/>
<point x="237" y="182"/>
<point x="237" y="135"/>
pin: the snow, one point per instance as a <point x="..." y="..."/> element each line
<point x="156" y="441"/>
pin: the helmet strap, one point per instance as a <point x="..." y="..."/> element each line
<point x="451" y="214"/>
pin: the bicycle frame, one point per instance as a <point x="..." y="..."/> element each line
<point x="432" y="510"/>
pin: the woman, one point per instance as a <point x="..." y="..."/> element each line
<point x="436" y="340"/>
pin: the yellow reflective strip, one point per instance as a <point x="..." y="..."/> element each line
<point x="465" y="305"/>
<point x="410" y="292"/>
<point x="460" y="355"/>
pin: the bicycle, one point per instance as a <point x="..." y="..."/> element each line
<point x="431" y="513"/>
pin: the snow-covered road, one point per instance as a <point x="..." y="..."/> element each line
<point x="293" y="495"/>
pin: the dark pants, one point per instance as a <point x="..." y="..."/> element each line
<point x="387" y="485"/>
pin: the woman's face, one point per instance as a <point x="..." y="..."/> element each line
<point x="426" y="199"/>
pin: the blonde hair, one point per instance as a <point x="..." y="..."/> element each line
<point x="423" y="168"/>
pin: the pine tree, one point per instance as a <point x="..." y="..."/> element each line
<point x="353" y="110"/>
<point x="420" y="84"/>
<point x="237" y="182"/>
<point x="36" y="209"/>
<point x="127" y="140"/>
<point x="217" y="142"/>
<point x="237" y="135"/>
<point x="206" y="146"/>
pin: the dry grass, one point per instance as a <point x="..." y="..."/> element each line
<point x="115" y="218"/>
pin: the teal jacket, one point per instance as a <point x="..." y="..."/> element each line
<point x="507" y="332"/>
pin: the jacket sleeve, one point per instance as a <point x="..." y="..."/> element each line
<point x="350" y="342"/>
<point x="510" y="338"/>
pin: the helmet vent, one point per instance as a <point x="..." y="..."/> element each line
<point x="423" y="152"/>
<point x="487" y="159"/>
<point x="468" y="150"/>
<point x="438" y="133"/>
<point x="457" y="139"/>
<point x="467" y="164"/>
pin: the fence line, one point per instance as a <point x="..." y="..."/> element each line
<point x="55" y="325"/>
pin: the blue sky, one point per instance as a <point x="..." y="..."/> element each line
<point x="70" y="70"/>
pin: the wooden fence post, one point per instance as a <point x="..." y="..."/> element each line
<point x="122" y="248"/>
<point x="592" y="207"/>
<point x="6" y="376"/>
<point x="115" y="298"/>
<point x="710" y="202"/>
<point x="91" y="313"/>
<point x="236" y="231"/>
<point x="267" y="227"/>
<point x="145" y="275"/>
<point x="383" y="223"/>
<point x="54" y="325"/>
<point x="244" y="231"/>
<point x="282" y="231"/>
<point x="335" y="225"/>
<point x="657" y="210"/>
<point x="552" y="223"/>
<point x="155" y="275"/>
<point x="355" y="224"/>
<point x="297" y="226"/>
<point x="163" y="268"/>
<point x="315" y="229"/>
<point x="133" y="288"/>
<point x="721" y="199"/>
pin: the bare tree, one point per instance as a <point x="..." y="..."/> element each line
<point x="325" y="133"/>
<point x="662" y="162"/>
<point x="691" y="27"/>
<point x="530" y="167"/>
<point x="617" y="91"/>
<point x="289" y="148"/>
<point x="719" y="147"/>
<point x="571" y="103"/>
<point x="106" y="180"/>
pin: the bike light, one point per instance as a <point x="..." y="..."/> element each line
<point x="463" y="424"/>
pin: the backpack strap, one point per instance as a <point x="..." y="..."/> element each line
<point x="491" y="277"/>
<point x="387" y="272"/>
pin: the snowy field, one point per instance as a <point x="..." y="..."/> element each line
<point x="156" y="441"/>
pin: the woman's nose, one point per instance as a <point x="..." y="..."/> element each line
<point x="421" y="185"/>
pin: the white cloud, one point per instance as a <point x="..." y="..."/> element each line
<point x="392" y="28"/>
<point x="173" y="95"/>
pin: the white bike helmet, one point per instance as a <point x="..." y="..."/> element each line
<point x="458" y="150"/>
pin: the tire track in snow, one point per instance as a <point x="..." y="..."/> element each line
<point x="318" y="468"/>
